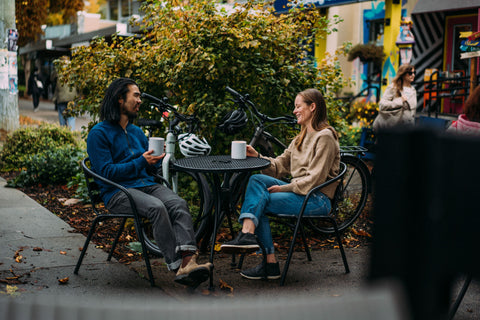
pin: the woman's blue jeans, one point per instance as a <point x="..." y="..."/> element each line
<point x="258" y="201"/>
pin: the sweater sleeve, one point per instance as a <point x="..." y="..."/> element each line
<point x="280" y="166"/>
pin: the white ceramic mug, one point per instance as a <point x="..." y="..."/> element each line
<point x="239" y="149"/>
<point x="157" y="145"/>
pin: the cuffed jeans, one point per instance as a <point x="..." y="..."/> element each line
<point x="169" y="215"/>
<point x="258" y="201"/>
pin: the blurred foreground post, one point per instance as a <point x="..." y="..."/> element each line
<point x="426" y="215"/>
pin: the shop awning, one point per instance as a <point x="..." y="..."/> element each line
<point x="59" y="44"/>
<point x="424" y="6"/>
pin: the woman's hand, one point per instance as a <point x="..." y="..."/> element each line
<point x="275" y="188"/>
<point x="251" y="152"/>
<point x="152" y="159"/>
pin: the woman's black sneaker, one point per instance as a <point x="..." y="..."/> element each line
<point x="243" y="243"/>
<point x="258" y="272"/>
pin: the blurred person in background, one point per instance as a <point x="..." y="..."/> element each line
<point x="63" y="96"/>
<point x="468" y="123"/>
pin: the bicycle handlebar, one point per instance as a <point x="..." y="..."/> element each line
<point x="244" y="100"/>
<point x="162" y="104"/>
<point x="149" y="123"/>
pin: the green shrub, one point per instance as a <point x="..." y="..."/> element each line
<point x="55" y="166"/>
<point x="80" y="184"/>
<point x="26" y="142"/>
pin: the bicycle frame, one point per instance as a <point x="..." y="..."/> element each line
<point x="171" y="139"/>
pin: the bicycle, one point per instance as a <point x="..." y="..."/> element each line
<point x="190" y="145"/>
<point x="355" y="184"/>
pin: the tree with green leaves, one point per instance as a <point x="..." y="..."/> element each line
<point x="191" y="53"/>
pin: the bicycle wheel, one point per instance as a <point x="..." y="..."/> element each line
<point x="354" y="196"/>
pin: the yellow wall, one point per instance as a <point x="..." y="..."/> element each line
<point x="393" y="16"/>
<point x="351" y="29"/>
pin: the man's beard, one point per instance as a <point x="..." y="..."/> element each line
<point x="132" y="116"/>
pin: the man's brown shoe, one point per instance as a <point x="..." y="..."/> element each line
<point x="193" y="274"/>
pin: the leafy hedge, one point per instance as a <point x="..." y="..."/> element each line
<point x="48" y="154"/>
<point x="192" y="53"/>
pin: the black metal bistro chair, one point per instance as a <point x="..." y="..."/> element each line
<point x="297" y="220"/>
<point x="94" y="193"/>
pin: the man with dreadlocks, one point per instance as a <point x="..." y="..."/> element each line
<point x="118" y="151"/>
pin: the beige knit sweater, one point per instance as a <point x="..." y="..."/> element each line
<point x="318" y="162"/>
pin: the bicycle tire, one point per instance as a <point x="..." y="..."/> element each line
<point x="354" y="196"/>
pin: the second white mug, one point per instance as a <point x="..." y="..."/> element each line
<point x="239" y="149"/>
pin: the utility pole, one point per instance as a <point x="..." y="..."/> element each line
<point x="9" y="114"/>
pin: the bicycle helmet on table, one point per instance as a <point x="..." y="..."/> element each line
<point x="193" y="146"/>
<point x="233" y="121"/>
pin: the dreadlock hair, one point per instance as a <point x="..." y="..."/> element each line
<point x="110" y="107"/>
<point x="319" y="119"/>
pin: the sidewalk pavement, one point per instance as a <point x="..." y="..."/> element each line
<point x="40" y="249"/>
<point x="46" y="112"/>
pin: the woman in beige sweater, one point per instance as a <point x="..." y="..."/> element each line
<point x="311" y="158"/>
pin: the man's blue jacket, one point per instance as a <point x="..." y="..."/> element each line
<point x="117" y="155"/>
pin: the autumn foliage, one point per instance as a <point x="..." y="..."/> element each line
<point x="191" y="53"/>
<point x="30" y="15"/>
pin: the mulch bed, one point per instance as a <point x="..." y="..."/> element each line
<point x="79" y="216"/>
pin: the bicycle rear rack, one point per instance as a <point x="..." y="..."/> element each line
<point x="352" y="149"/>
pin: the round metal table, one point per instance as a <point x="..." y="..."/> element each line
<point x="216" y="166"/>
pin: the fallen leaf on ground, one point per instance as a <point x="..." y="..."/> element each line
<point x="225" y="286"/>
<point x="63" y="280"/>
<point x="12" y="290"/>
<point x="37" y="249"/>
<point x="361" y="233"/>
<point x="70" y="202"/>
<point x="63" y="252"/>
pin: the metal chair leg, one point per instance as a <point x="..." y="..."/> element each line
<point x="117" y="237"/>
<point x="289" y="257"/>
<point x="340" y="246"/>
<point x="87" y="242"/>
<point x="304" y="239"/>
<point x="138" y="229"/>
<point x="459" y="299"/>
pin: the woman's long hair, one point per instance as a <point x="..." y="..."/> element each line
<point x="319" y="119"/>
<point x="110" y="107"/>
<point x="398" y="80"/>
